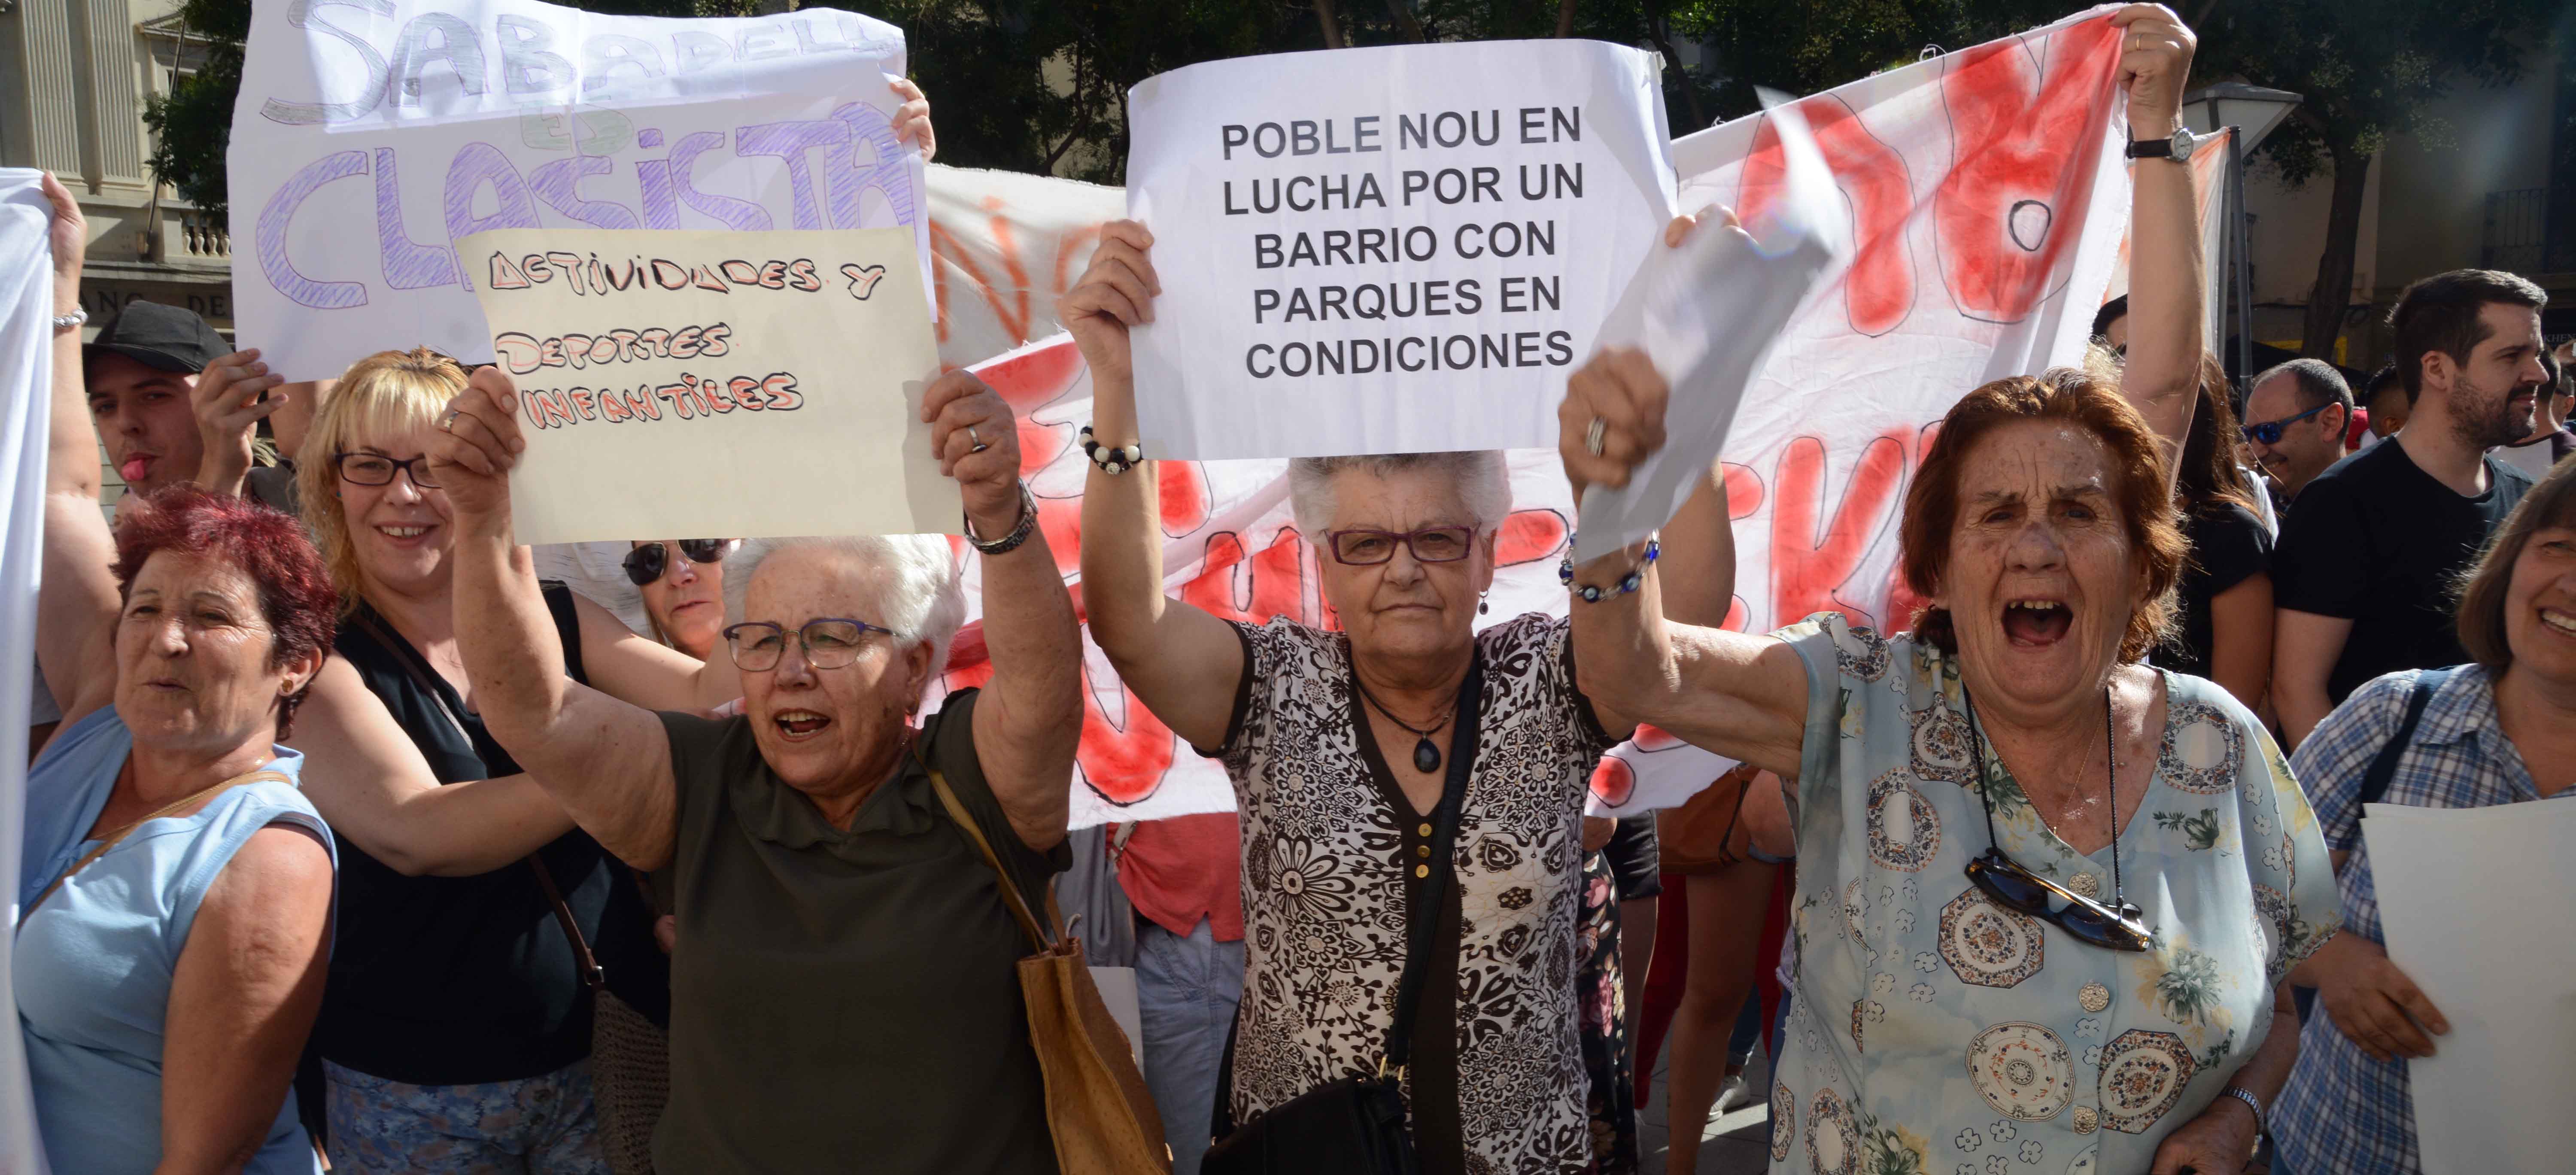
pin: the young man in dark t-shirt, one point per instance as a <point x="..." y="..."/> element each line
<point x="2363" y="571"/>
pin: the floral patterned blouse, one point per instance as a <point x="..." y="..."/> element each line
<point x="1331" y="848"/>
<point x="1938" y="1033"/>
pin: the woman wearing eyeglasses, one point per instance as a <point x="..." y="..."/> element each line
<point x="457" y="1022"/>
<point x="2046" y="894"/>
<point x="843" y="987"/>
<point x="683" y="584"/>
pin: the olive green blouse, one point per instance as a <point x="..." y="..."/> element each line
<point x="846" y="1000"/>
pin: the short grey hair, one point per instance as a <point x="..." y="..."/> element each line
<point x="1482" y="479"/>
<point x="921" y="598"/>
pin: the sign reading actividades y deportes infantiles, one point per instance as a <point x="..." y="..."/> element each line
<point x="1390" y="249"/>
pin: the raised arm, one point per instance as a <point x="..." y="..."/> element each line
<point x="606" y="761"/>
<point x="1744" y="697"/>
<point x="1184" y="664"/>
<point x="2165" y="290"/>
<point x="77" y="605"/>
<point x="647" y="673"/>
<point x="242" y="998"/>
<point x="232" y="395"/>
<point x="366" y="777"/>
<point x="1030" y="715"/>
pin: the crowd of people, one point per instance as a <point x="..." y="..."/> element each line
<point x="351" y="840"/>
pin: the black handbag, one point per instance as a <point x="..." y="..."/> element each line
<point x="1355" y="1125"/>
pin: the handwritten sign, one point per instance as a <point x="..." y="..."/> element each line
<point x="370" y="138"/>
<point x="1391" y="249"/>
<point x="736" y="384"/>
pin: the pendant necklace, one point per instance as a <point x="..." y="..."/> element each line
<point x="1426" y="757"/>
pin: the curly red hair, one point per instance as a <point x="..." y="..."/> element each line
<point x="295" y="593"/>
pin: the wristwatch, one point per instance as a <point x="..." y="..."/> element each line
<point x="2253" y="1103"/>
<point x="2177" y="148"/>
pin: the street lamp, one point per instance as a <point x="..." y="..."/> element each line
<point x="2254" y="111"/>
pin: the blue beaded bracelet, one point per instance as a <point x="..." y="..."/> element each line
<point x="1589" y="594"/>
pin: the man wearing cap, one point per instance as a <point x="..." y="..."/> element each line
<point x="158" y="378"/>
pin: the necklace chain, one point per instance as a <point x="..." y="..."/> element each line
<point x="2111" y="772"/>
<point x="1380" y="707"/>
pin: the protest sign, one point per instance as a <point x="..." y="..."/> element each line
<point x="370" y="138"/>
<point x="2492" y="1096"/>
<point x="698" y="383"/>
<point x="26" y="371"/>
<point x="1384" y="250"/>
<point x="1987" y="202"/>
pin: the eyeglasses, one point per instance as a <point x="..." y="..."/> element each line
<point x="376" y="469"/>
<point x="2121" y="929"/>
<point x="646" y="563"/>
<point x="830" y="643"/>
<point x="1431" y="544"/>
<point x="2269" y="432"/>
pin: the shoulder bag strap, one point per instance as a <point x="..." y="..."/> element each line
<point x="593" y="976"/>
<point x="413" y="667"/>
<point x="113" y="839"/>
<point x="1011" y="895"/>
<point x="2383" y="766"/>
<point x="1419" y="932"/>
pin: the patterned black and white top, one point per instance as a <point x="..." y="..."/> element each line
<point x="1330" y="849"/>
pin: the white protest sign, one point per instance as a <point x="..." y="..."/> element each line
<point x="1391" y="249"/>
<point x="736" y="384"/>
<point x="370" y="137"/>
<point x="1706" y="315"/>
<point x="26" y="372"/>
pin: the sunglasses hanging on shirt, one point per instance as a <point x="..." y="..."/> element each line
<point x="646" y="563"/>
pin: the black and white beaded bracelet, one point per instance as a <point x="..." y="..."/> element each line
<point x="1112" y="459"/>
<point x="1590" y="594"/>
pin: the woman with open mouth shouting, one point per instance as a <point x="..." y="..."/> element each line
<point x="2046" y="893"/>
<point x="843" y="985"/>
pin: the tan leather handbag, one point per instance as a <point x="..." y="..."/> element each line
<point x="1103" y="1120"/>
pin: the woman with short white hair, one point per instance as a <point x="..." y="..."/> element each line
<point x="844" y="986"/>
<point x="1371" y="762"/>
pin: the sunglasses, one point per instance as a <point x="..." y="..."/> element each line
<point x="1431" y="544"/>
<point x="646" y="563"/>
<point x="2089" y="921"/>
<point x="2269" y="432"/>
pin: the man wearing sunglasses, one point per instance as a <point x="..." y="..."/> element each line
<point x="2295" y="422"/>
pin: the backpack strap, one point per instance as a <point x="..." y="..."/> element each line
<point x="2383" y="766"/>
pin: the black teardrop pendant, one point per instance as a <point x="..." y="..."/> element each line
<point x="1426" y="758"/>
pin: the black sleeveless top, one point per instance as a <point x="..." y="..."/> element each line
<point x="466" y="980"/>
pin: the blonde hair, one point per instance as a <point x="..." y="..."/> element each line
<point x="386" y="394"/>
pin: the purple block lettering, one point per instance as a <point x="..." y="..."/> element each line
<point x="870" y="126"/>
<point x="408" y="264"/>
<point x="741" y="216"/>
<point x="280" y="213"/>
<point x="479" y="164"/>
<point x="559" y="183"/>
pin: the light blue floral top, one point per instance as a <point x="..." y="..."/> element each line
<point x="1937" y="1033"/>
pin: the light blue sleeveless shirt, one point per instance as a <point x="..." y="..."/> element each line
<point x="92" y="965"/>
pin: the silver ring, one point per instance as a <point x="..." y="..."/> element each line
<point x="447" y="423"/>
<point x="1594" y="435"/>
<point x="977" y="444"/>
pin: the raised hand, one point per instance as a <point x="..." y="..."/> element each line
<point x="2155" y="65"/>
<point x="477" y="445"/>
<point x="232" y="395"/>
<point x="69" y="235"/>
<point x="1116" y="293"/>
<point x="1612" y="418"/>
<point x="978" y="443"/>
<point x="912" y="119"/>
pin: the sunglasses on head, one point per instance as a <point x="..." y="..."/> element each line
<point x="2005" y="881"/>
<point x="2269" y="432"/>
<point x="646" y="563"/>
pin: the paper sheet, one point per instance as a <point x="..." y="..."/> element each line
<point x="2474" y="903"/>
<point x="744" y="385"/>
<point x="1708" y="314"/>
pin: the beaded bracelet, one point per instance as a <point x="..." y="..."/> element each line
<point x="1118" y="460"/>
<point x="1636" y="577"/>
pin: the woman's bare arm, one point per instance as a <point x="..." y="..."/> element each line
<point x="242" y="999"/>
<point x="367" y="777"/>
<point x="77" y="605"/>
<point x="2162" y="376"/>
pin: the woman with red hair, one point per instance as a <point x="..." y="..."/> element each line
<point x="170" y="955"/>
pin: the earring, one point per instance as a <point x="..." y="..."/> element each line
<point x="1482" y="604"/>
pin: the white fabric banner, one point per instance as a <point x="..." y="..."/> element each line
<point x="26" y="374"/>
<point x="1387" y="250"/>
<point x="369" y="138"/>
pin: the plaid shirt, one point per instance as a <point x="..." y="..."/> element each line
<point x="2343" y="1111"/>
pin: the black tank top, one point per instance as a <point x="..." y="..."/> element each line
<point x="465" y="980"/>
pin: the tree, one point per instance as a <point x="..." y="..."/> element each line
<point x="2369" y="70"/>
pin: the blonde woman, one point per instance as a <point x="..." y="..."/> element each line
<point x="455" y="1030"/>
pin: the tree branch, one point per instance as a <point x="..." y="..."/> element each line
<point x="1405" y="20"/>
<point x="1565" y="18"/>
<point x="1332" y="22"/>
